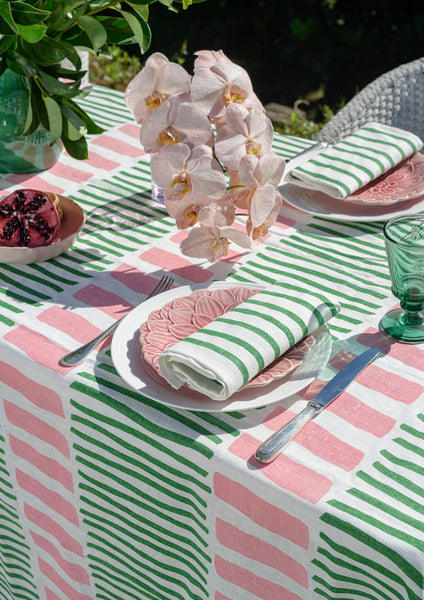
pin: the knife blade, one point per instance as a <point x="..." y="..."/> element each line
<point x="276" y="443"/>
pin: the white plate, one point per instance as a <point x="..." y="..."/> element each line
<point x="128" y="360"/>
<point x="320" y="205"/>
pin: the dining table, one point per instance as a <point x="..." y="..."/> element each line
<point x="114" y="486"/>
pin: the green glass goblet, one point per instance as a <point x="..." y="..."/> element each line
<point x="404" y="240"/>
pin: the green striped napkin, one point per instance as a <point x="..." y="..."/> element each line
<point x="356" y="160"/>
<point x="221" y="357"/>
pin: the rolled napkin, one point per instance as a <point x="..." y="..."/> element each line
<point x="356" y="160"/>
<point x="223" y="356"/>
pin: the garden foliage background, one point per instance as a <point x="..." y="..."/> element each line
<point x="320" y="50"/>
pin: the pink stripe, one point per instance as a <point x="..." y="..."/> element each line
<point x="36" y="427"/>
<point x="375" y="378"/>
<point x="45" y="464"/>
<point x="175" y="263"/>
<point x="55" y="578"/>
<point x="110" y="303"/>
<point x="261" y="512"/>
<point x="409" y="354"/>
<point x="47" y="524"/>
<point x="318" y="440"/>
<point x="38" y="347"/>
<point x="179" y="236"/>
<point x="256" y="549"/>
<point x="131" y="130"/>
<point x="70" y="323"/>
<point x="74" y="571"/>
<point x="260" y="588"/>
<point x="34" y="183"/>
<point x="98" y="161"/>
<point x="283" y="471"/>
<point x="353" y="411"/>
<point x="118" y="146"/>
<point x="36" y="393"/>
<point x="232" y="257"/>
<point x="284" y="222"/>
<point x="134" y="279"/>
<point x="70" y="173"/>
<point x="50" y="595"/>
<point x="53" y="500"/>
<point x="219" y="596"/>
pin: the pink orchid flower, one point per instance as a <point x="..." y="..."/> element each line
<point x="259" y="233"/>
<point x="157" y="81"/>
<point x="175" y="120"/>
<point x="185" y="172"/>
<point x="258" y="177"/>
<point x="246" y="132"/>
<point x="212" y="239"/>
<point x="218" y="82"/>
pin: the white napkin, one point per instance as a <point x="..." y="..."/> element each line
<point x="221" y="357"/>
<point x="356" y="160"/>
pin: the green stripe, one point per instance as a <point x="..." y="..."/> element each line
<point x="146" y="424"/>
<point x="237" y="341"/>
<point x="326" y="178"/>
<point x="284" y="311"/>
<point x="362" y="536"/>
<point x="194" y="482"/>
<point x="135" y="520"/>
<point x="350" y="563"/>
<point x="269" y="318"/>
<point x="382" y="525"/>
<point x="260" y="332"/>
<point x="395" y="136"/>
<point x="179" y="416"/>
<point x="237" y="362"/>
<point x="149" y="478"/>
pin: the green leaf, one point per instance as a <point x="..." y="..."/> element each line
<point x="60" y="72"/>
<point x="140" y="9"/>
<point x="53" y="86"/>
<point x="74" y="126"/>
<point x="76" y="148"/>
<point x="94" y="30"/>
<point x="32" y="120"/>
<point x="32" y="33"/>
<point x="118" y="31"/>
<point x="39" y="107"/>
<point x="48" y="51"/>
<point x="7" y="24"/>
<point x="54" y="116"/>
<point x="25" y="14"/>
<point x="91" y="126"/>
<point x="21" y="65"/>
<point x="5" y="42"/>
<point x="140" y="29"/>
<point x="3" y="66"/>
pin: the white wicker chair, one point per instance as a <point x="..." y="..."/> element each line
<point x="395" y="98"/>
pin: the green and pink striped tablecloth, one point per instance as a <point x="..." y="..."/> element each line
<point x="108" y="495"/>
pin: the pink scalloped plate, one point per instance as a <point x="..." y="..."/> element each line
<point x="182" y="316"/>
<point x="403" y="182"/>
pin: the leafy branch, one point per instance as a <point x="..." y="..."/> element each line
<point x="37" y="35"/>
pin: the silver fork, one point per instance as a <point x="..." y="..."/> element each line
<point x="79" y="354"/>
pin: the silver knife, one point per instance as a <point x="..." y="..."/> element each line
<point x="276" y="443"/>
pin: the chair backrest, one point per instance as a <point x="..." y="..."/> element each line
<point x="395" y="98"/>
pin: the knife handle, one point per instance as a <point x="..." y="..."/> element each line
<point x="276" y="443"/>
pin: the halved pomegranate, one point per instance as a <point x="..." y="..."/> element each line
<point x="29" y="218"/>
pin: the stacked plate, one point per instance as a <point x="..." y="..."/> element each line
<point x="399" y="191"/>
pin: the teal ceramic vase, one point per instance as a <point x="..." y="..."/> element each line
<point x="19" y="154"/>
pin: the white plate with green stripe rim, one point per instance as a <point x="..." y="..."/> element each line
<point x="320" y="205"/>
<point x="128" y="360"/>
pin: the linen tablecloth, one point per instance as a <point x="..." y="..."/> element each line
<point x="106" y="494"/>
